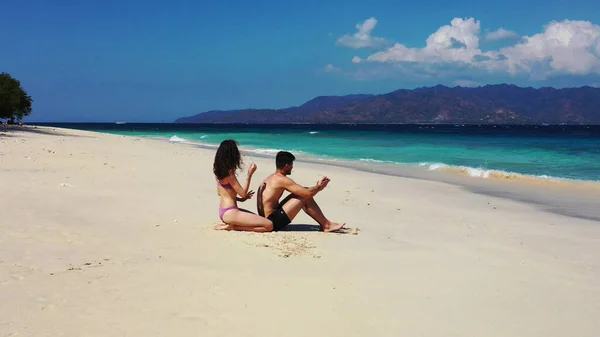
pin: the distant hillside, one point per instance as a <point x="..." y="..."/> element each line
<point x="274" y="115"/>
<point x="490" y="104"/>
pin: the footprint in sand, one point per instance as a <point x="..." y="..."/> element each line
<point x="49" y="307"/>
<point x="19" y="272"/>
<point x="290" y="245"/>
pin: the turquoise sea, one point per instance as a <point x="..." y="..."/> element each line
<point x="560" y="151"/>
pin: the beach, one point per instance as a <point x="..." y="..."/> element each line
<point x="111" y="235"/>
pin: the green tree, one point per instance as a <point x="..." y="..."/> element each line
<point x="14" y="101"/>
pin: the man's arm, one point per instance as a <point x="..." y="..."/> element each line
<point x="304" y="192"/>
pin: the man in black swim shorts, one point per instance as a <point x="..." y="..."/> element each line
<point x="300" y="198"/>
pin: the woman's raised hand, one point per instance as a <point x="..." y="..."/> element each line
<point x="251" y="169"/>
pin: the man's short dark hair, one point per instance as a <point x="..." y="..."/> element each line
<point x="283" y="158"/>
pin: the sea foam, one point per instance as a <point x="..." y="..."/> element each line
<point x="479" y="172"/>
<point x="475" y="172"/>
<point x="271" y="151"/>
<point x="176" y="139"/>
<point x="371" y="160"/>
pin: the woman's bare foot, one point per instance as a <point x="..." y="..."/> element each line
<point x="333" y="227"/>
<point x="222" y="226"/>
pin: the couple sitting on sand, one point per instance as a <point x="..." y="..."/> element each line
<point x="272" y="214"/>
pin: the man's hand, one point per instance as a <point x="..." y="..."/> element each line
<point x="322" y="183"/>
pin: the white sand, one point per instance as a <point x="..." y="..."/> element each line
<point x="106" y="235"/>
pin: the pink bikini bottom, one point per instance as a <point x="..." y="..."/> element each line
<point x="223" y="210"/>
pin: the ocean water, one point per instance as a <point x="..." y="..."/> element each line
<point x="546" y="152"/>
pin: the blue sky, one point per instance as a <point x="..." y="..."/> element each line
<point x="153" y="61"/>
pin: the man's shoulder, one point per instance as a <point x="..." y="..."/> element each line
<point x="275" y="180"/>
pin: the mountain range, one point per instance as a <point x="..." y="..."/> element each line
<point x="490" y="104"/>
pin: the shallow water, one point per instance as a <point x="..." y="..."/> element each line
<point x="564" y="152"/>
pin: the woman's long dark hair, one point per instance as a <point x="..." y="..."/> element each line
<point x="227" y="159"/>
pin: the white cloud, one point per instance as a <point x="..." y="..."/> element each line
<point x="566" y="47"/>
<point x="501" y="34"/>
<point x="466" y="83"/>
<point x="457" y="42"/>
<point x="563" y="47"/>
<point x="330" y="68"/>
<point x="362" y="38"/>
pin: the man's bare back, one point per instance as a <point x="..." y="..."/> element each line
<point x="271" y="190"/>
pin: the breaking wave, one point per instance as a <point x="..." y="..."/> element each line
<point x="176" y="139"/>
<point x="371" y="160"/>
<point x="480" y="172"/>
<point x="271" y="151"/>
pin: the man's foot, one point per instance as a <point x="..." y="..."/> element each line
<point x="222" y="226"/>
<point x="333" y="227"/>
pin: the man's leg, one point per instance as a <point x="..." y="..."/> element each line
<point x="292" y="204"/>
<point x="314" y="211"/>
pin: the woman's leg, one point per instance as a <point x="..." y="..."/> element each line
<point x="246" y="221"/>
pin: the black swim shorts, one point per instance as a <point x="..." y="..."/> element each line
<point x="279" y="219"/>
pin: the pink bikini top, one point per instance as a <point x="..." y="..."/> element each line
<point x="225" y="186"/>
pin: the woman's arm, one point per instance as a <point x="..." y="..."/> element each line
<point x="248" y="196"/>
<point x="235" y="184"/>
<point x="243" y="191"/>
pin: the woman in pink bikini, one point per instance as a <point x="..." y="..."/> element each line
<point x="227" y="161"/>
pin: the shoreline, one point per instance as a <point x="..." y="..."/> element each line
<point x="433" y="165"/>
<point x="400" y="169"/>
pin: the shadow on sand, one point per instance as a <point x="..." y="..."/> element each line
<point x="315" y="228"/>
<point x="309" y="228"/>
<point x="301" y="228"/>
